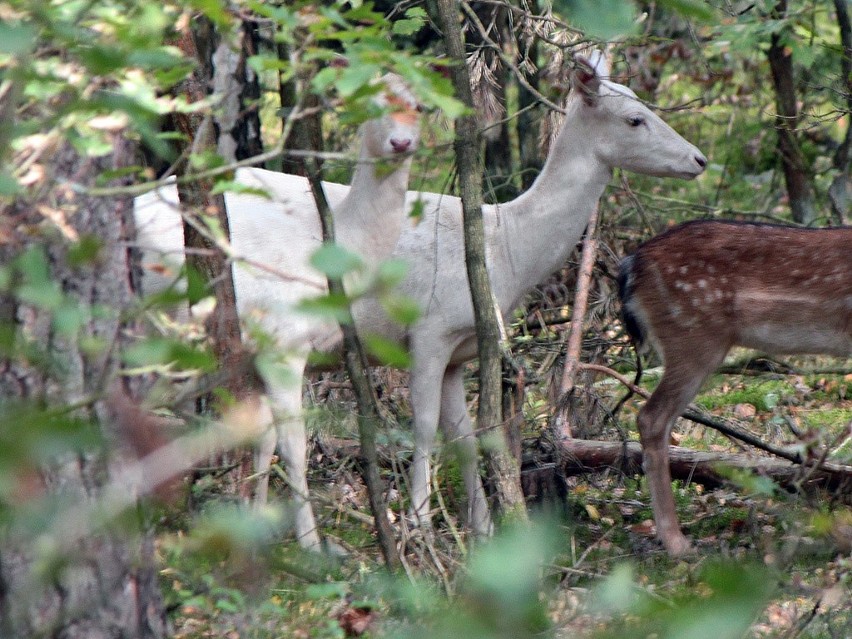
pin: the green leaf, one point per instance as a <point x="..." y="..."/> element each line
<point x="748" y="480"/>
<point x="33" y="265"/>
<point x="86" y="251"/>
<point x="227" y="605"/>
<point x="616" y="593"/>
<point x="17" y="38"/>
<point x="407" y="26"/>
<point x="391" y="272"/>
<point x="335" y="261"/>
<point x="213" y="9"/>
<point x="387" y="351"/>
<point x="332" y="590"/>
<point x="695" y="9"/>
<point x="602" y="19"/>
<point x="402" y="310"/>
<point x="69" y="318"/>
<point x="332" y="306"/>
<point x="417" y="209"/>
<point x="8" y="185"/>
<point x="232" y="186"/>
<point x="354" y="78"/>
<point x="274" y="370"/>
<point x="162" y="352"/>
<point x="196" y="286"/>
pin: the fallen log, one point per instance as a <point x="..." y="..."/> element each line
<point x="542" y="476"/>
<point x="579" y="456"/>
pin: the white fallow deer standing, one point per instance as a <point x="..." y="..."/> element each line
<point x="703" y="287"/>
<point x="605" y="127"/>
<point x="277" y="236"/>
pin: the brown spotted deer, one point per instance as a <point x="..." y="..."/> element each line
<point x="697" y="290"/>
<point x="272" y="239"/>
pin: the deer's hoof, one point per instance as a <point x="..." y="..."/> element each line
<point x="677" y="546"/>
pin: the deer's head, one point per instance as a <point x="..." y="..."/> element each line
<point x="394" y="135"/>
<point x="623" y="132"/>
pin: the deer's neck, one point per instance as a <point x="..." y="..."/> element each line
<point x="543" y="225"/>
<point x="369" y="219"/>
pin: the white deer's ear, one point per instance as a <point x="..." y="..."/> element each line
<point x="599" y="62"/>
<point x="587" y="80"/>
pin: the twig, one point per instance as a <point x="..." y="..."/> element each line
<point x="695" y="413"/>
<point x="560" y="424"/>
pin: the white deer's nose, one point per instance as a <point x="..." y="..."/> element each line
<point x="400" y="145"/>
<point x="700" y="160"/>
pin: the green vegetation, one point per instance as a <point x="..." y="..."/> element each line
<point x="80" y="81"/>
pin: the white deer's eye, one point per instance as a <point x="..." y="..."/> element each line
<point x="636" y="120"/>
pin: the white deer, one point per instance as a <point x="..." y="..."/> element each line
<point x="605" y="127"/>
<point x="277" y="236"/>
<point x="703" y="287"/>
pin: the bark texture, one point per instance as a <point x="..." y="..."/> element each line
<point x="502" y="469"/>
<point x="838" y="192"/>
<point x="796" y="176"/>
<point x="203" y="256"/>
<point x="103" y="584"/>
<point x="355" y="361"/>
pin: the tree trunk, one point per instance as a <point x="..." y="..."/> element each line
<point x="498" y="183"/>
<point x="838" y="192"/>
<point x="529" y="119"/>
<point x="218" y="66"/>
<point x="502" y="468"/>
<point x="203" y="256"/>
<point x="796" y="177"/>
<point x="100" y="585"/>
<point x="355" y="361"/>
<point x="305" y="132"/>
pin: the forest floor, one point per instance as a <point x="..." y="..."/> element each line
<point x="770" y="562"/>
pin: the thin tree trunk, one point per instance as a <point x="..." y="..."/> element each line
<point x="218" y="66"/>
<point x="529" y="119"/>
<point x="560" y="424"/>
<point x="105" y="586"/>
<point x="305" y="132"/>
<point x="796" y="177"/>
<point x="839" y="190"/>
<point x="204" y="257"/>
<point x="356" y="367"/>
<point x="503" y="470"/>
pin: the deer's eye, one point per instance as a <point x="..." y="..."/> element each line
<point x="636" y="120"/>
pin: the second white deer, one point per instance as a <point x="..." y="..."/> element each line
<point x="703" y="287"/>
<point x="272" y="239"/>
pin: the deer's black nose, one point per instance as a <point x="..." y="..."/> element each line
<point x="400" y="145"/>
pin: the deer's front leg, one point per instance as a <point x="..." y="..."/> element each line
<point x="680" y="383"/>
<point x="293" y="448"/>
<point x="655" y="461"/>
<point x="425" y="382"/>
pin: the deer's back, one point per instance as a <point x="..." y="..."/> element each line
<point x="775" y="288"/>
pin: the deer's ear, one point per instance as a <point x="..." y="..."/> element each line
<point x="586" y="80"/>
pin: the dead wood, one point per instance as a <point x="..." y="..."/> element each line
<point x="711" y="469"/>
